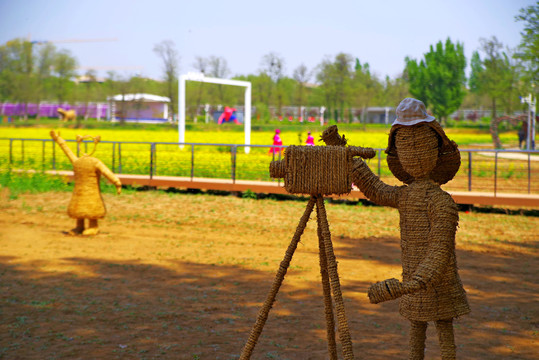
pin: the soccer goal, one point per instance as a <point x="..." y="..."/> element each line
<point x="201" y="78"/>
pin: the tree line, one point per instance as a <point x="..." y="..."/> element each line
<point x="32" y="73"/>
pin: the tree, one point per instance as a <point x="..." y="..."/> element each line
<point x="496" y="77"/>
<point x="301" y="75"/>
<point x="416" y="76"/>
<point x="17" y="76"/>
<point x="273" y="66"/>
<point x="45" y="63"/>
<point x="366" y="86"/>
<point x="87" y="93"/>
<point x="439" y="79"/>
<point x="394" y="90"/>
<point x="166" y="50"/>
<point x="218" y="68"/>
<point x="335" y="78"/>
<point x="64" y="68"/>
<point x="529" y="45"/>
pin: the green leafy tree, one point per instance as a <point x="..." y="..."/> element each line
<point x="18" y="81"/>
<point x="64" y="66"/>
<point x="394" y="90"/>
<point x="529" y="45"/>
<point x="366" y="87"/>
<point x="45" y="62"/>
<point x="335" y="78"/>
<point x="416" y="77"/>
<point x="495" y="76"/>
<point x="87" y="91"/>
<point x="439" y="79"/>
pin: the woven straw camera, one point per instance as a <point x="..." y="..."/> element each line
<point x="315" y="170"/>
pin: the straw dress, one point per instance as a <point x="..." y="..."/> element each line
<point x="86" y="201"/>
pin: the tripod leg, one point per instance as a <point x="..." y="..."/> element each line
<point x="330" y="321"/>
<point x="344" y="332"/>
<point x="270" y="299"/>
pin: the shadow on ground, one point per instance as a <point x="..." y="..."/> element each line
<point x="131" y="309"/>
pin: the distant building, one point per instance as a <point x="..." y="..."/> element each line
<point x="380" y="115"/>
<point x="143" y="108"/>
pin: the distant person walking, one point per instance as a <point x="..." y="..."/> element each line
<point x="276" y="142"/>
<point x="310" y="139"/>
<point x="523" y="135"/>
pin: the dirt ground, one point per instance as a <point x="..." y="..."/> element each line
<point x="183" y="276"/>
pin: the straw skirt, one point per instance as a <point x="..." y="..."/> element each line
<point x="86" y="201"/>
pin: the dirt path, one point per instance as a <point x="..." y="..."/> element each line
<point x="183" y="276"/>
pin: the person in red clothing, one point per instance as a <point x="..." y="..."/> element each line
<point x="276" y="142"/>
<point x="310" y="139"/>
<point x="228" y="116"/>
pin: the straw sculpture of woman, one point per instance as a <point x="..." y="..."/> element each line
<point x="86" y="202"/>
<point x="420" y="155"/>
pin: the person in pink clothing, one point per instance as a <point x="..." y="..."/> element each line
<point x="227" y="116"/>
<point x="276" y="142"/>
<point x="310" y="139"/>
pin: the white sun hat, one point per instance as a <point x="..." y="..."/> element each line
<point x="412" y="111"/>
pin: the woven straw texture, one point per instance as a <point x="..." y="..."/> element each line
<point x="331" y="137"/>
<point x="448" y="155"/>
<point x="423" y="157"/>
<point x="317" y="170"/>
<point x="330" y="284"/>
<point x="86" y="202"/>
<point x="428" y="223"/>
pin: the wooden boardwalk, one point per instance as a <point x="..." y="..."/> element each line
<point x="270" y="187"/>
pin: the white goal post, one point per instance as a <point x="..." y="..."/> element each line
<point x="201" y="78"/>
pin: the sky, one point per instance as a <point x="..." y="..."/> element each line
<point x="380" y="32"/>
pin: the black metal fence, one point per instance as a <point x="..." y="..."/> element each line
<point x="503" y="171"/>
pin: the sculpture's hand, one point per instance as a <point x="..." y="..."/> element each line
<point x="389" y="289"/>
<point x="55" y="135"/>
<point x="118" y="189"/>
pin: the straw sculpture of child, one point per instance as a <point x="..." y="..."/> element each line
<point x="86" y="202"/>
<point x="420" y="155"/>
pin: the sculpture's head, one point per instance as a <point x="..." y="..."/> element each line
<point x="95" y="139"/>
<point x="418" y="147"/>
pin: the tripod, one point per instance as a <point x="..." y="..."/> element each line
<point x="330" y="283"/>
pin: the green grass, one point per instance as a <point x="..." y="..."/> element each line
<point x="35" y="182"/>
<point x="22" y="182"/>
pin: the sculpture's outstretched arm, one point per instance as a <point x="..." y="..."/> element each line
<point x="62" y="143"/>
<point x="109" y="175"/>
<point x="374" y="188"/>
